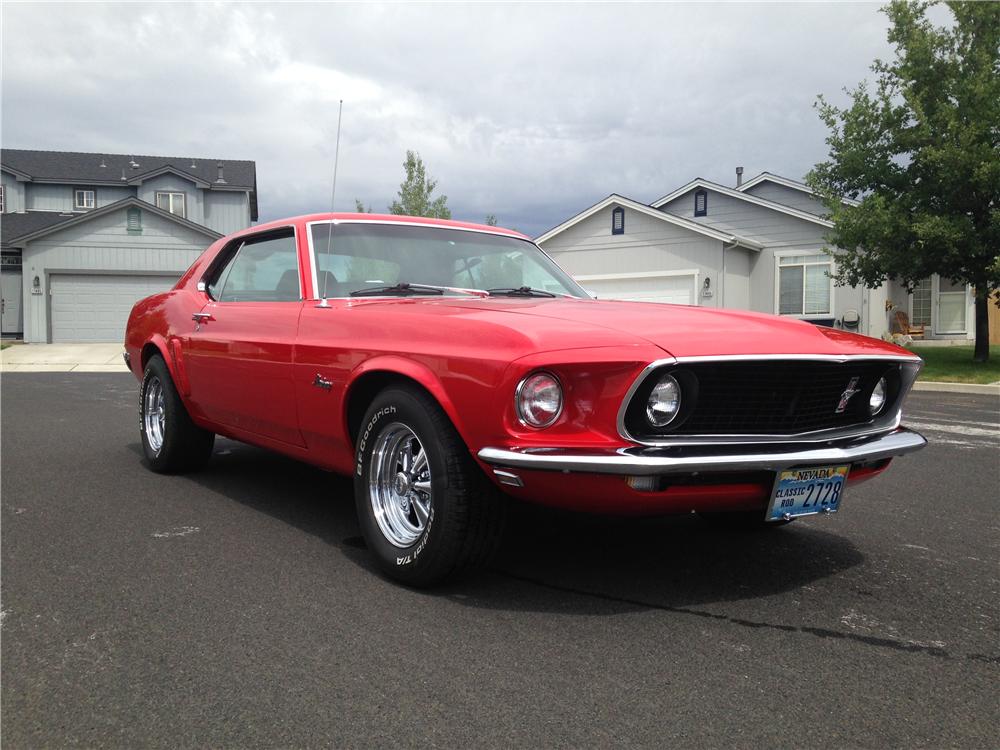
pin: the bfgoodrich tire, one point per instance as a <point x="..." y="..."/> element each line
<point x="425" y="508"/>
<point x="171" y="442"/>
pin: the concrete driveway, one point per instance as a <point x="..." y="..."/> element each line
<point x="62" y="358"/>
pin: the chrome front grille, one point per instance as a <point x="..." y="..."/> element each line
<point x="768" y="397"/>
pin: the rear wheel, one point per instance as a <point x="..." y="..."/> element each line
<point x="425" y="508"/>
<point x="171" y="442"/>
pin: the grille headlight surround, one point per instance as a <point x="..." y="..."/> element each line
<point x="664" y="402"/>
<point x="878" y="397"/>
<point x="539" y="399"/>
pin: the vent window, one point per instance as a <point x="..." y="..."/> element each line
<point x="701" y="203"/>
<point x="618" y="221"/>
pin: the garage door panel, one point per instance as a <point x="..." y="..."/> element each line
<point x="678" y="290"/>
<point x="95" y="308"/>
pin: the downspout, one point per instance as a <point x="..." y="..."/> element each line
<point x="733" y="243"/>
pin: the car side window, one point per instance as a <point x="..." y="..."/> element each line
<point x="261" y="270"/>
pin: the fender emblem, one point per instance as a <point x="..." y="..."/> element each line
<point x="847" y="395"/>
<point x="321" y="382"/>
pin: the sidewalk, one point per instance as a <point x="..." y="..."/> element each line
<point x="108" y="358"/>
<point x="62" y="358"/>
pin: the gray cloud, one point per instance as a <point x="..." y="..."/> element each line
<point x="531" y="112"/>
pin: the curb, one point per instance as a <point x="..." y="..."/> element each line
<point x="991" y="389"/>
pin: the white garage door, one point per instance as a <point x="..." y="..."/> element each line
<point x="678" y="290"/>
<point x="92" y="307"/>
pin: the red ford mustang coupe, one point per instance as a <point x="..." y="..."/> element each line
<point x="445" y="365"/>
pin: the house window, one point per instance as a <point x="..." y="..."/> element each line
<point x="3" y="203"/>
<point x="618" y="221"/>
<point x="133" y="221"/>
<point x="920" y="304"/>
<point x="805" y="286"/>
<point x="951" y="307"/>
<point x="701" y="203"/>
<point x="83" y="199"/>
<point x="172" y="202"/>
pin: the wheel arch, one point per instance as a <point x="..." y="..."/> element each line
<point x="377" y="375"/>
<point x="171" y="355"/>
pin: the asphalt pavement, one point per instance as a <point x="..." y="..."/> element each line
<point x="238" y="608"/>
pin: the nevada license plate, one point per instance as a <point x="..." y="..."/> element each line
<point x="803" y="492"/>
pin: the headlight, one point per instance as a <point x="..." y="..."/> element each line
<point x="539" y="399"/>
<point x="664" y="402"/>
<point x="877" y="400"/>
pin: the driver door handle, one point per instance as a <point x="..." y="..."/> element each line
<point x="201" y="317"/>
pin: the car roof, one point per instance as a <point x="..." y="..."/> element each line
<point x="387" y="219"/>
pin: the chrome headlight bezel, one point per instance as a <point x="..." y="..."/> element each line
<point x="666" y="382"/>
<point x="521" y="393"/>
<point x="879" y="397"/>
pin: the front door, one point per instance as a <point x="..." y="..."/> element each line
<point x="239" y="353"/>
<point x="11" y="320"/>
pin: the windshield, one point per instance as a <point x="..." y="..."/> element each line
<point x="363" y="256"/>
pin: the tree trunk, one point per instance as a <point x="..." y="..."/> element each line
<point x="982" y="353"/>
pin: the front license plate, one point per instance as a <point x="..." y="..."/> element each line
<point x="803" y="492"/>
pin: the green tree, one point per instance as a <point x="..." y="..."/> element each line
<point x="359" y="207"/>
<point x="921" y="151"/>
<point x="491" y="220"/>
<point x="415" y="192"/>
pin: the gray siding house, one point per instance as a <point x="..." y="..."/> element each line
<point x="757" y="246"/>
<point x="84" y="236"/>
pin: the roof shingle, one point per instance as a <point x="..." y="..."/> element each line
<point x="83" y="167"/>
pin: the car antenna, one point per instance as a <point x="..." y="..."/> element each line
<point x="333" y="198"/>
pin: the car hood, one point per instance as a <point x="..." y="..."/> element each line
<point x="679" y="330"/>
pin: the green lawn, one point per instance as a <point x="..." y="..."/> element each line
<point x="3" y="346"/>
<point x="954" y="364"/>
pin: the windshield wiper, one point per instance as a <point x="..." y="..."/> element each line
<point x="402" y="288"/>
<point x="520" y="291"/>
<point x="405" y="289"/>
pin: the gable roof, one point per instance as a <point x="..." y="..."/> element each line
<point x="85" y="169"/>
<point x="14" y="226"/>
<point x="763" y="202"/>
<point x="615" y="199"/>
<point x="25" y="231"/>
<point x="786" y="182"/>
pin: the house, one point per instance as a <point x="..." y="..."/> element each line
<point x="86" y="235"/>
<point x="756" y="246"/>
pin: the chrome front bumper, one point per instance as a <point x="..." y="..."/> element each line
<point x="655" y="461"/>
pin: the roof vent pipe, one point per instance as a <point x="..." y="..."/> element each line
<point x="221" y="180"/>
<point x="739" y="176"/>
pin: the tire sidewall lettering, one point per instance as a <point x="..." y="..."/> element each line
<point x="363" y="442"/>
<point x="411" y="557"/>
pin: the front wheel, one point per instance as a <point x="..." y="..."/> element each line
<point x="425" y="509"/>
<point x="171" y="442"/>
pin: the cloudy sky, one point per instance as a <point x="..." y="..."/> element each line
<point x="531" y="112"/>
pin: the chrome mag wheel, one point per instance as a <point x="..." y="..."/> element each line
<point x="154" y="414"/>
<point x="399" y="485"/>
